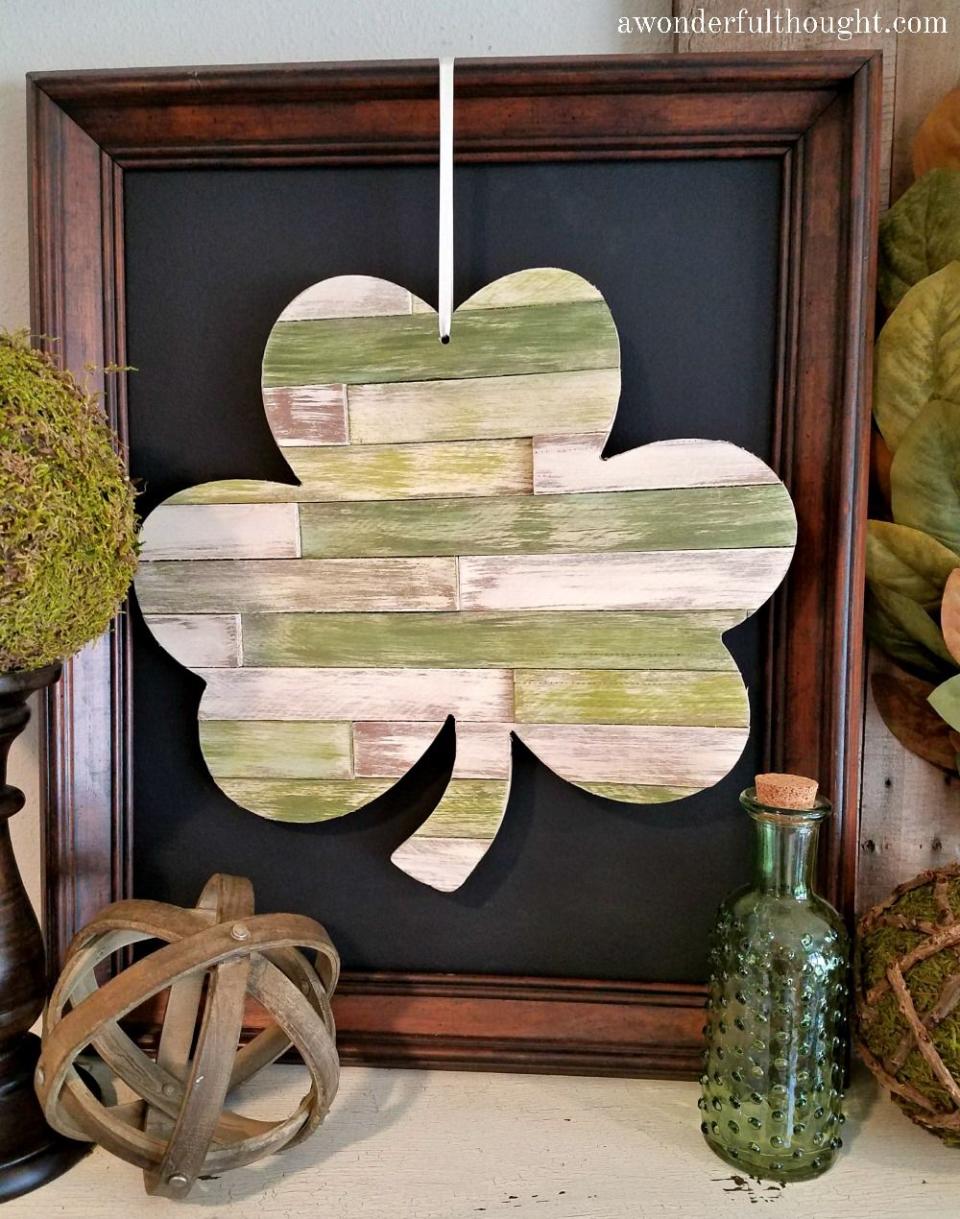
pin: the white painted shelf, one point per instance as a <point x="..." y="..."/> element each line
<point x="455" y="1145"/>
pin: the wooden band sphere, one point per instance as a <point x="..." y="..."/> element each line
<point x="213" y="956"/>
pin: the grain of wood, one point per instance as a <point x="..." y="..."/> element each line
<point x="209" y="641"/>
<point x="307" y="414"/>
<point x="439" y="862"/>
<point x="221" y="531"/>
<point x="573" y="463"/>
<point x="687" y="579"/>
<point x="379" y="472"/>
<point x="357" y="694"/>
<point x="348" y="296"/>
<point x="697" y="518"/>
<point x="600" y="639"/>
<point x="536" y="286"/>
<point x="490" y="343"/>
<point x="405" y="1143"/>
<point x="793" y="37"/>
<point x="277" y="749"/>
<point x="478" y="408"/>
<point x="630" y="696"/>
<point x="316" y="585"/>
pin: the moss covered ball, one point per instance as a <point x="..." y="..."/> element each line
<point x="68" y="547"/>
<point x="908" y="998"/>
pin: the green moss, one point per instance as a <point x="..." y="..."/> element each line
<point x="884" y="1031"/>
<point x="68" y="547"/>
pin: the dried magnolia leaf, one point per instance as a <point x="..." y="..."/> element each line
<point x="906" y="632"/>
<point x="925" y="475"/>
<point x="880" y="459"/>
<point x="918" y="354"/>
<point x="950" y="614"/>
<point x="908" y="562"/>
<point x="903" y="706"/>
<point x="920" y="234"/>
<point x="937" y="143"/>
<point x="945" y="700"/>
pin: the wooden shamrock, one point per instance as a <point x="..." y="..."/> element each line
<point x="458" y="546"/>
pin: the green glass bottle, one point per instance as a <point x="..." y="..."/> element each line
<point x="777" y="1008"/>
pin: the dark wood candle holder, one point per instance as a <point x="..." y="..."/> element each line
<point x="30" y="1152"/>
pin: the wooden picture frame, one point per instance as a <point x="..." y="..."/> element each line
<point x="819" y="115"/>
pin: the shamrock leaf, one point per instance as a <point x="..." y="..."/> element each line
<point x="457" y="545"/>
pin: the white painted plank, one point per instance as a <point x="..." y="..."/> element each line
<point x="684" y="579"/>
<point x="442" y="863"/>
<point x="307" y="414"/>
<point x="356" y="694"/>
<point x="573" y="463"/>
<point x="483" y="750"/>
<point x="348" y="296"/>
<point x="470" y="1145"/>
<point x="198" y="640"/>
<point x="221" y="531"/>
<point x="615" y="753"/>
<point x="532" y="286"/>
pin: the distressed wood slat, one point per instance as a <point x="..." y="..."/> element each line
<point x="573" y="463"/>
<point x="373" y="472"/>
<point x="565" y="640"/>
<point x="277" y="749"/>
<point x="688" y="579"/>
<point x="533" y="286"/>
<point x="483" y="408"/>
<point x="471" y="808"/>
<point x="198" y="640"/>
<point x="221" y="531"/>
<point x="348" y="296"/>
<point x="630" y="696"/>
<point x="676" y="756"/>
<point x="483" y="752"/>
<point x="307" y="414"/>
<point x="356" y="694"/>
<point x="442" y="863"/>
<point x="318" y="585"/>
<point x="707" y="518"/>
<point x="489" y="343"/>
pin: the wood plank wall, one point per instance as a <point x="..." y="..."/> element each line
<point x="911" y="810"/>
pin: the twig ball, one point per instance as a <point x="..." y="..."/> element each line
<point x="907" y="986"/>
<point x="212" y="957"/>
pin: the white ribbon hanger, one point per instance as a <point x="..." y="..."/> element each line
<point x="445" y="260"/>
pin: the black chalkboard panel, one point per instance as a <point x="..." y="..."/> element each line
<point x="686" y="254"/>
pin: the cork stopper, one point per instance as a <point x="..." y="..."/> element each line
<point x="786" y="791"/>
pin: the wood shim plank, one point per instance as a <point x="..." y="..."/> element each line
<point x="582" y="640"/>
<point x="356" y="694"/>
<point x="208" y="641"/>
<point x="221" y="531"/>
<point x="307" y="414"/>
<point x="483" y="408"/>
<point x="927" y="67"/>
<point x="489" y="343"/>
<point x="373" y="472"/>
<point x="469" y="808"/>
<point x="441" y="863"/>
<point x="695" y="518"/>
<point x="348" y="296"/>
<point x="630" y="696"/>
<point x="534" y="286"/>
<point x="676" y="756"/>
<point x="573" y="463"/>
<point x="277" y="749"/>
<point x="792" y="37"/>
<point x="278" y="585"/>
<point x="687" y="580"/>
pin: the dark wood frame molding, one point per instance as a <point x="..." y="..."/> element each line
<point x="818" y="113"/>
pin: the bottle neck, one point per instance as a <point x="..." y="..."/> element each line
<point x="786" y="856"/>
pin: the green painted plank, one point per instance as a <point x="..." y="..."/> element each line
<point x="471" y="808"/>
<point x="214" y="586"/>
<point x="390" y="471"/>
<point x="631" y="793"/>
<point x="484" y="343"/>
<point x="692" y="518"/>
<point x="630" y="696"/>
<point x="277" y="749"/>
<point x="584" y="640"/>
